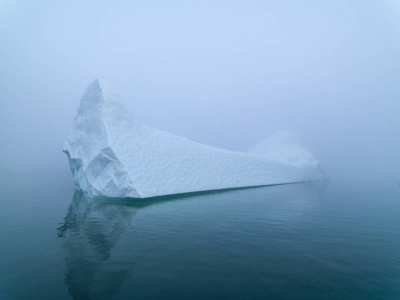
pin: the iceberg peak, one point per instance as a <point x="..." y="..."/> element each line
<point x="100" y="91"/>
<point x="113" y="155"/>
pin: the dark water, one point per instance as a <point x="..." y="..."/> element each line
<point x="302" y="241"/>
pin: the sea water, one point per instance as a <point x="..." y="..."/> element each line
<point x="320" y="240"/>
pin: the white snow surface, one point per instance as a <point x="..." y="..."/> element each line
<point x="113" y="155"/>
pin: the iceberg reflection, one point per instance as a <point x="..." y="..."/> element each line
<point x="90" y="231"/>
<point x="101" y="250"/>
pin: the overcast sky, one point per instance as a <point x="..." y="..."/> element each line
<point x="224" y="73"/>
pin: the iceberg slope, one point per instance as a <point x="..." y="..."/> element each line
<point x="113" y="155"/>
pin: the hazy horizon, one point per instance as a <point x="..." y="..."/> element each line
<point x="224" y="73"/>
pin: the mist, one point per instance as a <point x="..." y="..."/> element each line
<point x="223" y="73"/>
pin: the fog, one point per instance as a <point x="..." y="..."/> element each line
<point x="223" y="73"/>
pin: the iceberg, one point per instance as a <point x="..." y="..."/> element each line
<point x="111" y="154"/>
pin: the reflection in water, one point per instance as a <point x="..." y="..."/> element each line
<point x="96" y="267"/>
<point x="290" y="203"/>
<point x="88" y="235"/>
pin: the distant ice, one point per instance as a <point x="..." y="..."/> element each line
<point x="284" y="146"/>
<point x="113" y="155"/>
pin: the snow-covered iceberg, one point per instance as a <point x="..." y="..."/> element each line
<point x="113" y="155"/>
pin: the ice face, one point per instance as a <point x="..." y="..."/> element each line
<point x="113" y="155"/>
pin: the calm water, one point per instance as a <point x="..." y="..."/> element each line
<point x="302" y="241"/>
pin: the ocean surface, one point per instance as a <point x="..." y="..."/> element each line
<point x="321" y="240"/>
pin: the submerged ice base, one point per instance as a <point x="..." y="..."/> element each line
<point x="113" y="155"/>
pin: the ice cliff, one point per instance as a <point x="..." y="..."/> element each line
<point x="113" y="155"/>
